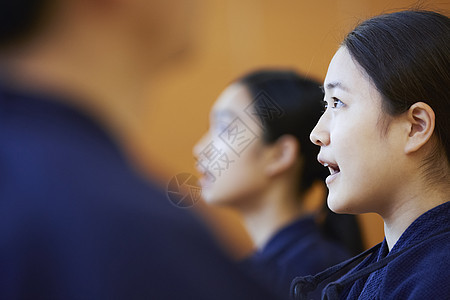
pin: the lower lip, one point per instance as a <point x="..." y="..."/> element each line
<point x="331" y="178"/>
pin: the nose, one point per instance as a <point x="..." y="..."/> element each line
<point x="320" y="135"/>
<point x="200" y="145"/>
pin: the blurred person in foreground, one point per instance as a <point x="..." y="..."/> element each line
<point x="76" y="220"/>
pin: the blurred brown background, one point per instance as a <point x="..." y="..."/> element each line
<point x="234" y="37"/>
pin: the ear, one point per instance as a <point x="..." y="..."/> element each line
<point x="282" y="155"/>
<point x="421" y="119"/>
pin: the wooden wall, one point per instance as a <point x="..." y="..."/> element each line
<point x="234" y="37"/>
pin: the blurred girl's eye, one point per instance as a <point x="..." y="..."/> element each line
<point x="219" y="126"/>
<point x="324" y="105"/>
<point x="337" y="103"/>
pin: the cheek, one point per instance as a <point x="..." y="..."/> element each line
<point x="238" y="181"/>
<point x="169" y="23"/>
<point x="364" y="158"/>
<point x="354" y="134"/>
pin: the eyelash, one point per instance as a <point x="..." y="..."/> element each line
<point x="219" y="126"/>
<point x="336" y="102"/>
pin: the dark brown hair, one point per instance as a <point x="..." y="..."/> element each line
<point x="20" y="19"/>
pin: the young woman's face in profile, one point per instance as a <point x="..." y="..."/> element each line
<point x="230" y="155"/>
<point x="364" y="157"/>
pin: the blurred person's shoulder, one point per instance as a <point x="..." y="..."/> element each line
<point x="70" y="203"/>
<point x="54" y="155"/>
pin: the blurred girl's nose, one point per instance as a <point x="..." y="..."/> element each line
<point x="200" y="145"/>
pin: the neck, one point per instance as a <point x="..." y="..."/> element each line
<point x="108" y="86"/>
<point x="419" y="199"/>
<point x="271" y="212"/>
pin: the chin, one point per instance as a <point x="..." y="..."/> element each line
<point x="220" y="201"/>
<point x="339" y="205"/>
<point x="212" y="199"/>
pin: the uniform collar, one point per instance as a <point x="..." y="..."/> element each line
<point x="428" y="224"/>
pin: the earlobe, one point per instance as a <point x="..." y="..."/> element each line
<point x="283" y="155"/>
<point x="421" y="120"/>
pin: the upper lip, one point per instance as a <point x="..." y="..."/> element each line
<point x="201" y="169"/>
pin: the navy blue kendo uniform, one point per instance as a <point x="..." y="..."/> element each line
<point x="77" y="222"/>
<point x="417" y="267"/>
<point x="297" y="249"/>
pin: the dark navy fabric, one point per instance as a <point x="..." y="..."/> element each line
<point x="296" y="250"/>
<point x="421" y="274"/>
<point x="77" y="222"/>
<point x="417" y="267"/>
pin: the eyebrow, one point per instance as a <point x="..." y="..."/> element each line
<point x="334" y="84"/>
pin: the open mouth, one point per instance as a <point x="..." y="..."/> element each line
<point x="333" y="168"/>
<point x="334" y="171"/>
<point x="206" y="178"/>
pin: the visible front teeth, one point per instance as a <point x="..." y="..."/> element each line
<point x="333" y="170"/>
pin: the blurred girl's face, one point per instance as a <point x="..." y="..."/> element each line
<point x="364" y="158"/>
<point x="230" y="155"/>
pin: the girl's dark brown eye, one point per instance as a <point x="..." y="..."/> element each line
<point x="337" y="103"/>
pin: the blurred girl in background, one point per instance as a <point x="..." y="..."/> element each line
<point x="257" y="159"/>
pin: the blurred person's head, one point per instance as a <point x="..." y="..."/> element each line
<point x="274" y="110"/>
<point x="97" y="55"/>
<point x="257" y="157"/>
<point x="151" y="30"/>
